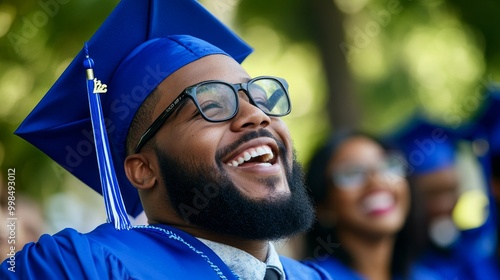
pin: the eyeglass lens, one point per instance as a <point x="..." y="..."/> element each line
<point x="216" y="101"/>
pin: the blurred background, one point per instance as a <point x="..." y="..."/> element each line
<point x="368" y="64"/>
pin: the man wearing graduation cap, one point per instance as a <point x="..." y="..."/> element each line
<point x="181" y="131"/>
<point x="431" y="152"/>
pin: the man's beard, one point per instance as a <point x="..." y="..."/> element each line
<point x="206" y="196"/>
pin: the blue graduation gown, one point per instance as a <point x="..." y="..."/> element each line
<point x="159" y="252"/>
<point x="338" y="270"/>
<point x="472" y="257"/>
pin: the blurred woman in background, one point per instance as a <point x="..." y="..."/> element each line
<point x="364" y="229"/>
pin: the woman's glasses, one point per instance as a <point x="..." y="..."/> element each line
<point x="351" y="176"/>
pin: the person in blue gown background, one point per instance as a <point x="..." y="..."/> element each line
<point x="431" y="151"/>
<point x="483" y="129"/>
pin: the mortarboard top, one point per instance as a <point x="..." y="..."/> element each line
<point x="427" y="146"/>
<point x="60" y="124"/>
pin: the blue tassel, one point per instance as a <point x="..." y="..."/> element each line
<point x="115" y="208"/>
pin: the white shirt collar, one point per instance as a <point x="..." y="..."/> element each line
<point x="243" y="264"/>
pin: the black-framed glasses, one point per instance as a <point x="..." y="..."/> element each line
<point x="218" y="101"/>
<point x="351" y="176"/>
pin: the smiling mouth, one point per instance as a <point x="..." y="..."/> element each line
<point x="261" y="155"/>
<point x="378" y="202"/>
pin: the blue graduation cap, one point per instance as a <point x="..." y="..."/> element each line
<point x="140" y="44"/>
<point x="426" y="146"/>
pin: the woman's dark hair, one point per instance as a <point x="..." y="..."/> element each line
<point x="318" y="182"/>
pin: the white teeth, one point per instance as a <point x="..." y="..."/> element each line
<point x="264" y="151"/>
<point x="378" y="201"/>
<point x="241" y="160"/>
<point x="253" y="153"/>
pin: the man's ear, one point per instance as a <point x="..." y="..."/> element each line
<point x="139" y="172"/>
